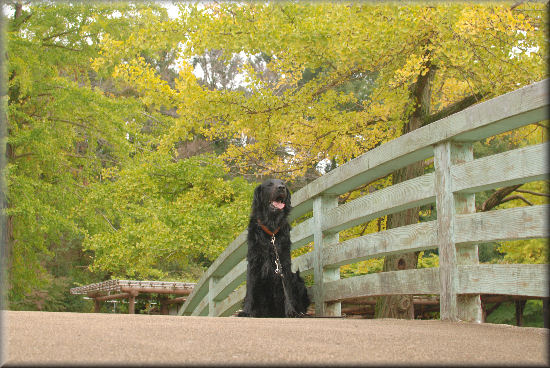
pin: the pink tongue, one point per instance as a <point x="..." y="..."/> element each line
<point x="278" y="205"/>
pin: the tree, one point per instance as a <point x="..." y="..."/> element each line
<point x="161" y="218"/>
<point x="427" y="62"/>
<point x="62" y="131"/>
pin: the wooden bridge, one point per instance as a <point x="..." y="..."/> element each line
<point x="77" y="338"/>
<point x="460" y="279"/>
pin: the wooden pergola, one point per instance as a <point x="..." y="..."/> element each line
<point x="130" y="289"/>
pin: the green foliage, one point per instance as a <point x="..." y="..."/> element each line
<point x="83" y="161"/>
<point x="156" y="217"/>
<point x="61" y="132"/>
<point x="103" y="101"/>
<point x="428" y="260"/>
<point x="335" y="77"/>
<point x="506" y="314"/>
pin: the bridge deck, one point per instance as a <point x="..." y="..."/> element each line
<point x="69" y="338"/>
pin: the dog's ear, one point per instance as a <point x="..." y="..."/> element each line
<point x="257" y="199"/>
<point x="287" y="200"/>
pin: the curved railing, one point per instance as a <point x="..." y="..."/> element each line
<point x="460" y="278"/>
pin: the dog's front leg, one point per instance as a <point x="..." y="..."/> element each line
<point x="290" y="311"/>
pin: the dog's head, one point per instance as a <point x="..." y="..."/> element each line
<point x="271" y="199"/>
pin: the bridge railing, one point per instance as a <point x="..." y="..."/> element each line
<point x="459" y="279"/>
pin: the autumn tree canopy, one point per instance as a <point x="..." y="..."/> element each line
<point x="135" y="138"/>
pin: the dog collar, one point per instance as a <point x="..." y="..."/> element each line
<point x="267" y="231"/>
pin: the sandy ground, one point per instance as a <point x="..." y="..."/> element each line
<point x="120" y="339"/>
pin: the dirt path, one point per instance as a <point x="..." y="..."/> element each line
<point x="74" y="338"/>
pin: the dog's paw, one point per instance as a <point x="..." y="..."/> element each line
<point x="292" y="313"/>
<point x="243" y="314"/>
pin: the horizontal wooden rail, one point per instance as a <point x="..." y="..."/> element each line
<point x="511" y="223"/>
<point x="457" y="178"/>
<point x="512" y="279"/>
<point x="504" y="169"/>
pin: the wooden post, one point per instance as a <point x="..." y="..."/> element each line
<point x="469" y="306"/>
<point x="448" y="271"/>
<point x="163" y="304"/>
<point x="132" y="302"/>
<point x="97" y="305"/>
<point x="520" y="306"/>
<point x="211" y="302"/>
<point x="457" y="307"/>
<point x="321" y="274"/>
<point x="545" y="312"/>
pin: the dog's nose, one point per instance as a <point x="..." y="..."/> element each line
<point x="281" y="187"/>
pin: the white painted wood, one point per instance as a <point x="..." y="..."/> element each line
<point x="504" y="169"/>
<point x="304" y="264"/>
<point x="202" y="307"/>
<point x="421" y="281"/>
<point x="506" y="224"/>
<point x="410" y="238"/>
<point x="448" y="273"/>
<point x="230" y="281"/>
<point x="232" y="303"/>
<point x="302" y="234"/>
<point x="396" y="198"/>
<point x="322" y="241"/>
<point x="520" y="280"/>
<point x="211" y="289"/>
<point x="469" y="306"/>
<point x="507" y="279"/>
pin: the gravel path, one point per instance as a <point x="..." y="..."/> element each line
<point x="75" y="338"/>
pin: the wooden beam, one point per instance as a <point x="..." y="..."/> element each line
<point x="505" y="224"/>
<point x="469" y="306"/>
<point x="505" y="279"/>
<point x="398" y="197"/>
<point x="211" y="295"/>
<point x="421" y="281"/>
<point x="230" y="281"/>
<point x="528" y="280"/>
<point x="160" y="290"/>
<point x="448" y="272"/>
<point x="322" y="241"/>
<point x="112" y="297"/>
<point x="302" y="234"/>
<point x="517" y="166"/>
<point x="232" y="303"/>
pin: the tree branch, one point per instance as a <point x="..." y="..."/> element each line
<point x="533" y="193"/>
<point x="456" y="107"/>
<point x="517" y="196"/>
<point x="57" y="35"/>
<point x="497" y="197"/>
<point x="60" y="46"/>
<point x="517" y="4"/>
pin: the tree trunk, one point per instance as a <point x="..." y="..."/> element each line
<point x="402" y="306"/>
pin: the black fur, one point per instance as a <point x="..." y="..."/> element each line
<point x="264" y="291"/>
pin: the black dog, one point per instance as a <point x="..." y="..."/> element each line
<point x="269" y="243"/>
